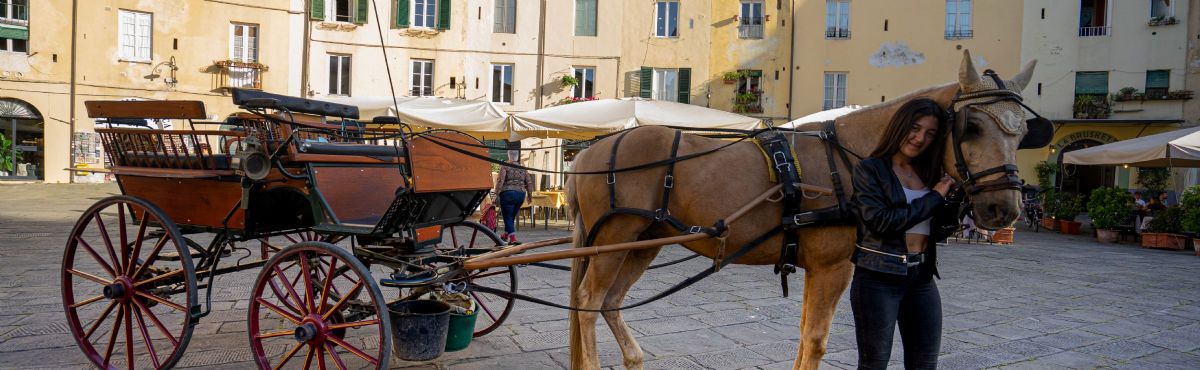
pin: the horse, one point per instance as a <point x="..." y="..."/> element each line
<point x="989" y="130"/>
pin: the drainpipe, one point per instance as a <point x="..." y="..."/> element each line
<point x="71" y="123"/>
<point x="541" y="52"/>
<point x="306" y="21"/>
<point x="791" y="60"/>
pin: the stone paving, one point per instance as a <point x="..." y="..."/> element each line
<point x="1049" y="302"/>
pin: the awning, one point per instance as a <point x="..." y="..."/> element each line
<point x="1179" y="148"/>
<point x="479" y="118"/>
<point x="588" y="119"/>
<point x="822" y="116"/>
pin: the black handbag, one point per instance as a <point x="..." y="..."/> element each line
<point x="947" y="219"/>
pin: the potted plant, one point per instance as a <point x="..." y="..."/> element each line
<point x="569" y="80"/>
<point x="1126" y="93"/>
<point x="1155" y="180"/>
<point x="1049" y="207"/>
<point x="1108" y="207"/>
<point x="732" y="77"/>
<point x="1065" y="211"/>
<point x="6" y="155"/>
<point x="1163" y="231"/>
<point x="1190" y="203"/>
<point x="1004" y="235"/>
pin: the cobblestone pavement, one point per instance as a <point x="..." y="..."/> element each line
<point x="1050" y="301"/>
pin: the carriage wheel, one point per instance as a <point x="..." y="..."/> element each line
<point x="305" y="307"/>
<point x="127" y="306"/>
<point x="470" y="238"/>
<point x="269" y="246"/>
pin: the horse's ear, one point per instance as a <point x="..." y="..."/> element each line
<point x="1022" y="78"/>
<point x="967" y="75"/>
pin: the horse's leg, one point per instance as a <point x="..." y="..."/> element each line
<point x="823" y="286"/>
<point x="602" y="271"/>
<point x="635" y="264"/>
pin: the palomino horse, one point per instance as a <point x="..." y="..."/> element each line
<point x="713" y="186"/>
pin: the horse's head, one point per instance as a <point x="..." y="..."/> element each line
<point x="989" y="123"/>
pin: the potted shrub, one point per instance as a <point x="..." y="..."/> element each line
<point x="1163" y="231"/>
<point x="1065" y="210"/>
<point x="1190" y="203"/>
<point x="1049" y="207"/>
<point x="1155" y="180"/>
<point x="569" y="81"/>
<point x="1107" y="208"/>
<point x="1126" y="93"/>
<point x="732" y="77"/>
<point x="1004" y="235"/>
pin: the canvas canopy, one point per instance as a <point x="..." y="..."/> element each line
<point x="479" y="118"/>
<point x="588" y="119"/>
<point x="1179" y="148"/>
<point x="822" y="116"/>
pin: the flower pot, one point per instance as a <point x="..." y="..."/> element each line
<point x="1049" y="223"/>
<point x="1107" y="236"/>
<point x="1069" y="227"/>
<point x="1163" y="241"/>
<point x="1003" y="236"/>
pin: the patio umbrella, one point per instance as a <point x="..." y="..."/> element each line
<point x="588" y="119"/>
<point x="822" y="116"/>
<point x="479" y="118"/>
<point x="1179" y="148"/>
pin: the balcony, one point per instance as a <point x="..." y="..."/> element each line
<point x="15" y="14"/>
<point x="837" y="33"/>
<point x="238" y="74"/>
<point x="1094" y="31"/>
<point x="959" y="34"/>
<point x="750" y="28"/>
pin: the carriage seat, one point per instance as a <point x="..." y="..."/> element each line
<point x="139" y="158"/>
<point x="366" y="150"/>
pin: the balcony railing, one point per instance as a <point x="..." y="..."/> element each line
<point x="237" y="74"/>
<point x="14" y="14"/>
<point x="837" y="33"/>
<point x="959" y="34"/>
<point x="751" y="28"/>
<point x="1093" y="31"/>
<point x="422" y="91"/>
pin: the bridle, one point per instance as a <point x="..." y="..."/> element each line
<point x="1039" y="133"/>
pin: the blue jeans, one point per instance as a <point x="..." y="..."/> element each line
<point x="510" y="203"/>
<point x="880" y="301"/>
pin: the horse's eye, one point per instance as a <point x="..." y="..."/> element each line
<point x="971" y="129"/>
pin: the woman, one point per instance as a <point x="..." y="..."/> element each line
<point x="514" y="188"/>
<point x="896" y="192"/>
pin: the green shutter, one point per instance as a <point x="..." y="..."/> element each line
<point x="646" y="83"/>
<point x="1091" y="82"/>
<point x="1158" y="79"/>
<point x="14" y="33"/>
<point x="585" y="17"/>
<point x="402" y="12"/>
<point x="443" y="22"/>
<point x="317" y="11"/>
<point x="360" y="16"/>
<point x="685" y="85"/>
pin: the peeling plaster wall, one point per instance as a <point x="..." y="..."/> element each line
<point x="771" y="55"/>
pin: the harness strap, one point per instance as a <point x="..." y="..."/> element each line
<point x="612" y="175"/>
<point x="831" y="141"/>
<point x="668" y="181"/>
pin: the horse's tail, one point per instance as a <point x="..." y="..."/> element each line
<point x="577" y="269"/>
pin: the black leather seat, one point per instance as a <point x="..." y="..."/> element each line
<point x="367" y="150"/>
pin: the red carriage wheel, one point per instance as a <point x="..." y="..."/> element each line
<point x="128" y="285"/>
<point x="270" y="245"/>
<point x="469" y="238"/>
<point x="298" y="307"/>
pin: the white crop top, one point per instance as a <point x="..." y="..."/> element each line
<point x="923" y="227"/>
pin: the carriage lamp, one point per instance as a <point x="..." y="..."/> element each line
<point x="171" y="80"/>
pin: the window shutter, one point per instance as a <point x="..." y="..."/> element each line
<point x="646" y="83"/>
<point x="360" y="15"/>
<point x="443" y="9"/>
<point x="585" y="17"/>
<point x="685" y="85"/>
<point x="1091" y="82"/>
<point x="1158" y="79"/>
<point x="317" y="11"/>
<point x="402" y="12"/>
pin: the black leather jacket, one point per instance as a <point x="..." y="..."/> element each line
<point x="884" y="215"/>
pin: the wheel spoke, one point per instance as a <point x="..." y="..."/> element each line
<point x="338" y="306"/>
<point x="159" y="277"/>
<point x="87" y="301"/>
<point x="152" y="256"/>
<point x="161" y="300"/>
<point x="308" y="286"/>
<point x="282" y="298"/>
<point x="103" y="316"/>
<point x="454" y="238"/>
<point x="328" y="282"/>
<point x="308" y="358"/>
<point x="124" y="238"/>
<point x="91" y="251"/>
<point x="337" y="360"/>
<point x="137" y="242"/>
<point x="486" y="310"/>
<point x="112" y="335"/>
<point x="146" y="338"/>
<point x="290" y="289"/>
<point x="88" y="276"/>
<point x="353" y="324"/>
<point x="154" y="318"/>
<point x="487" y="274"/>
<point x="274" y="334"/>
<point x="279" y="311"/>
<point x="128" y="339"/>
<point x="108" y="243"/>
<point x="352" y="349"/>
<point x="289" y="355"/>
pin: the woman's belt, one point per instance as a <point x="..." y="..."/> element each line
<point x="910" y="259"/>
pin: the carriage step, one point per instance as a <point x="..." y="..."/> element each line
<point x="174" y="256"/>
<point x="409" y="281"/>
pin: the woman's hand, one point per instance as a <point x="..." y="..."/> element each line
<point x="943" y="186"/>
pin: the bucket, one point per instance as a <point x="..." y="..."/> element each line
<point x="462" y="329"/>
<point x="419" y="329"/>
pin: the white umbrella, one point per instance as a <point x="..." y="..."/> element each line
<point x="822" y="116"/>
<point x="1179" y="148"/>
<point x="588" y="119"/>
<point x="478" y="118"/>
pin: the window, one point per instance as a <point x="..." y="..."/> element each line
<point x="422" y="77"/>
<point x="340" y="11"/>
<point x="502" y="83"/>
<point x="134" y="36"/>
<point x="749" y="92"/>
<point x="1157" y="83"/>
<point x="587" y="82"/>
<point x="666" y="85"/>
<point x="14" y="10"/>
<point x="958" y="19"/>
<point x="666" y="19"/>
<point x="339" y="74"/>
<point x="424" y="13"/>
<point x="1091" y="95"/>
<point x="506" y="17"/>
<point x="835" y="90"/>
<point x="585" y="17"/>
<point x="1091" y="83"/>
<point x="750" y="23"/>
<point x="837" y="19"/>
<point x="1093" y="18"/>
<point x="243" y="42"/>
<point x="751" y="83"/>
<point x="1161" y="9"/>
<point x="14" y="45"/>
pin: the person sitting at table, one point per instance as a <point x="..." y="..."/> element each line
<point x="514" y="187"/>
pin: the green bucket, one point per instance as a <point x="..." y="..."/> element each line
<point x="462" y="329"/>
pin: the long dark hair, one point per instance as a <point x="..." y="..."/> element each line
<point x="928" y="164"/>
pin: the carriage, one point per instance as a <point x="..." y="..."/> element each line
<point x="316" y="200"/>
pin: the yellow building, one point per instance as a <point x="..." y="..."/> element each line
<point x="58" y="54"/>
<point x="753" y="40"/>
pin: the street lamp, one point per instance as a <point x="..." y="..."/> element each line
<point x="171" y="80"/>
